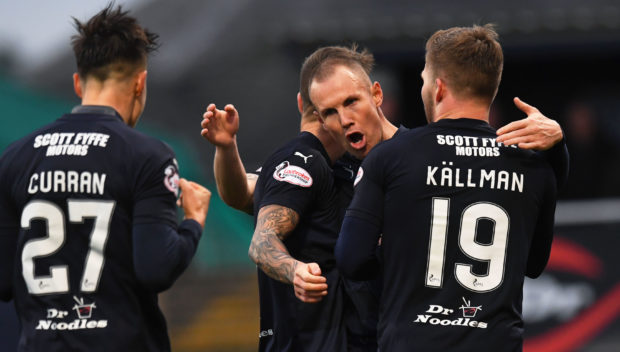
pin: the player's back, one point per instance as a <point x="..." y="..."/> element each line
<point x="77" y="186"/>
<point x="459" y="215"/>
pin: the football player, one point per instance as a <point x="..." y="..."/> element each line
<point x="462" y="218"/>
<point x="88" y="215"/>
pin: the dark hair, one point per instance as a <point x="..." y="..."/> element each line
<point x="321" y="62"/>
<point x="470" y="59"/>
<point x="111" y="41"/>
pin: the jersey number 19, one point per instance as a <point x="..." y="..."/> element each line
<point x="494" y="253"/>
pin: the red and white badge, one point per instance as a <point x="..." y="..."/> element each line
<point x="358" y="177"/>
<point x="292" y="174"/>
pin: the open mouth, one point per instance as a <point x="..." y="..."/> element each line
<point x="356" y="140"/>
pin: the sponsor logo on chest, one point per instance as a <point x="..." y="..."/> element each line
<point x="440" y="316"/>
<point x="56" y="318"/>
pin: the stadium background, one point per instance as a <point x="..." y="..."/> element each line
<point x="561" y="56"/>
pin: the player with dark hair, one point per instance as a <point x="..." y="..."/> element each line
<point x="463" y="219"/>
<point x="88" y="221"/>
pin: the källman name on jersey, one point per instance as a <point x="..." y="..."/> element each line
<point x="449" y="176"/>
<point x="70" y="143"/>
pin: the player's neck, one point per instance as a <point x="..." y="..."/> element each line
<point x="462" y="109"/>
<point x="110" y="95"/>
<point x="386" y="127"/>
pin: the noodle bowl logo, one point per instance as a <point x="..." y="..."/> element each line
<point x="468" y="310"/>
<point x="84" y="311"/>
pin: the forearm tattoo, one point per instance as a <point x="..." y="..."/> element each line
<point x="273" y="225"/>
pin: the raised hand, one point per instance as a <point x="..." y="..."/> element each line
<point x="220" y="126"/>
<point x="536" y="131"/>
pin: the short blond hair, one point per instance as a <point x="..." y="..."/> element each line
<point x="321" y="62"/>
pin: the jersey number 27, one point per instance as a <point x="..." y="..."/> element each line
<point x="78" y="210"/>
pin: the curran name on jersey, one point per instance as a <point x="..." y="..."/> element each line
<point x="67" y="181"/>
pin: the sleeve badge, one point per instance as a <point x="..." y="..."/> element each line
<point x="292" y="174"/>
<point x="171" y="179"/>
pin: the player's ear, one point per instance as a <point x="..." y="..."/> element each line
<point x="140" y="83"/>
<point x="377" y="94"/>
<point x="440" y="90"/>
<point x="77" y="85"/>
<point x="300" y="103"/>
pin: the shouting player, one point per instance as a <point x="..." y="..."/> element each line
<point x="463" y="219"/>
<point x="88" y="220"/>
<point x="344" y="74"/>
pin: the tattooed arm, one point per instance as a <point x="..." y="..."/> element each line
<point x="235" y="186"/>
<point x="273" y="225"/>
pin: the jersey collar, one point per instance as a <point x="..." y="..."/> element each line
<point x="462" y="122"/>
<point x="315" y="143"/>
<point x="400" y="130"/>
<point x="95" y="109"/>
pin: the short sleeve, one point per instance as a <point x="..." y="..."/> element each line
<point x="294" y="182"/>
<point x="157" y="190"/>
<point x="368" y="198"/>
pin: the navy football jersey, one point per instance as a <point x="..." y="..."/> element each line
<point x="361" y="297"/>
<point x="464" y="220"/>
<point x="71" y="192"/>
<point x="345" y="170"/>
<point x="298" y="176"/>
